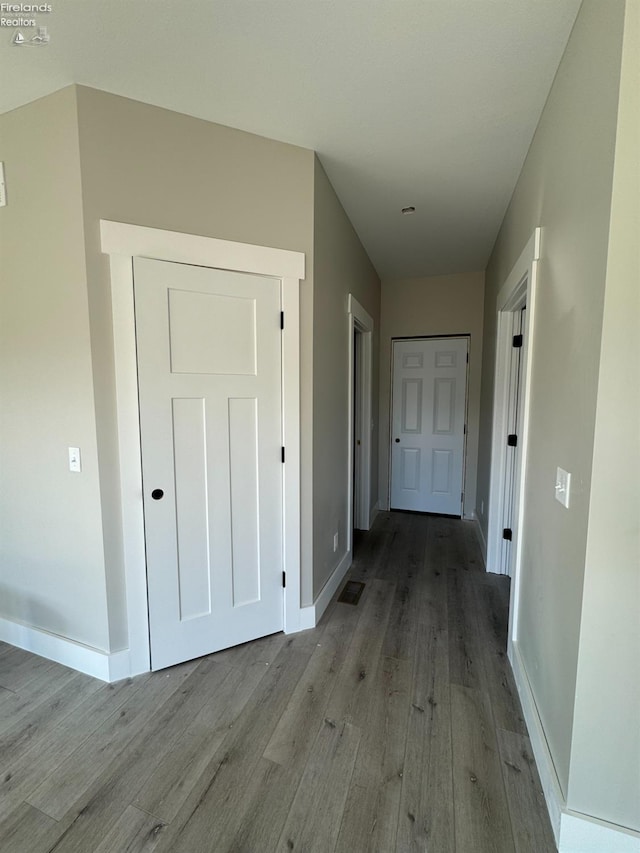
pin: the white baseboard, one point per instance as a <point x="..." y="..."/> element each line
<point x="551" y="787"/>
<point x="99" y="664"/>
<point x="483" y="542"/>
<point x="307" y="619"/>
<point x="311" y="615"/>
<point x="580" y="833"/>
<point x="573" y="832"/>
<point x="375" y="509"/>
<point x="328" y="590"/>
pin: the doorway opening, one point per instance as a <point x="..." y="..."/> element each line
<point x="360" y="511"/>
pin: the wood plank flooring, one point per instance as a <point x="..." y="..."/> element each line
<point x="394" y="726"/>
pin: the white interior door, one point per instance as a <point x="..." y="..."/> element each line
<point x="357" y="429"/>
<point x="428" y="424"/>
<point x="512" y="445"/>
<point x="209" y="369"/>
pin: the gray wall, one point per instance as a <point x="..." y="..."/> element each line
<point x="565" y="187"/>
<point x="341" y="266"/>
<point x="604" y="777"/>
<point x="439" y="305"/>
<point x="51" y="547"/>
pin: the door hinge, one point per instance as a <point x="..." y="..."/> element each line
<point x="284" y="579"/>
<point x="461" y="497"/>
<point x="507" y="533"/>
<point x="467" y="358"/>
<point x="282" y="454"/>
<point x="465" y="429"/>
<point x="517" y="341"/>
<point x="512" y="440"/>
<point x="282" y="319"/>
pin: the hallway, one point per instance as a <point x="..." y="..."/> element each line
<point x="392" y="726"/>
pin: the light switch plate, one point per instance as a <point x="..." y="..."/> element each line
<point x="75" y="463"/>
<point x="563" y="486"/>
<point x="3" y="188"/>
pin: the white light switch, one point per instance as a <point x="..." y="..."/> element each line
<point x="75" y="463"/>
<point x="563" y="485"/>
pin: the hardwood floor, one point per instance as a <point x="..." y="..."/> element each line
<point x="392" y="726"/>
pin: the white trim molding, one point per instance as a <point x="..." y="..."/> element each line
<point x="137" y="241"/>
<point x="95" y="662"/>
<point x="580" y="833"/>
<point x="327" y="592"/>
<point x="123" y="243"/>
<point x="573" y="832"/>
<point x="548" y="776"/>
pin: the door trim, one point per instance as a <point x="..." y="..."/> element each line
<point x="519" y="289"/>
<point x="123" y="242"/>
<point x="362" y="321"/>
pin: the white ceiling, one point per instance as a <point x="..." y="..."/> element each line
<point x="430" y="103"/>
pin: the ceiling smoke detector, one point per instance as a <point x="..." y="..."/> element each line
<point x="407" y="211"/>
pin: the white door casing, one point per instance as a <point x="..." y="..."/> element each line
<point x="208" y="345"/>
<point x="428" y="413"/>
<point x="360" y="399"/>
<point x="124" y="242"/>
<point x="519" y="290"/>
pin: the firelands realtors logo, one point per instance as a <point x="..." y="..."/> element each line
<point x="27" y="30"/>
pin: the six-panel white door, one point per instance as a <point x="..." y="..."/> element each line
<point x="428" y="424"/>
<point x="209" y="370"/>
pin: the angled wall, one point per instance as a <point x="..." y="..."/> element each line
<point x="52" y="569"/>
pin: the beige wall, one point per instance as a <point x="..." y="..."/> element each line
<point x="605" y="752"/>
<point x="341" y="266"/>
<point x="440" y="305"/>
<point x="565" y="187"/>
<point x="51" y="562"/>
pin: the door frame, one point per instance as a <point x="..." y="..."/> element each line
<point x="518" y="290"/>
<point x="467" y="336"/>
<point x="123" y="243"/>
<point x="360" y="321"/>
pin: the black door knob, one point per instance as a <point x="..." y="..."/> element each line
<point x="156" y="494"/>
<point x="397" y="441"/>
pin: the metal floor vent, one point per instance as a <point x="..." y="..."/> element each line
<point x="351" y="592"/>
